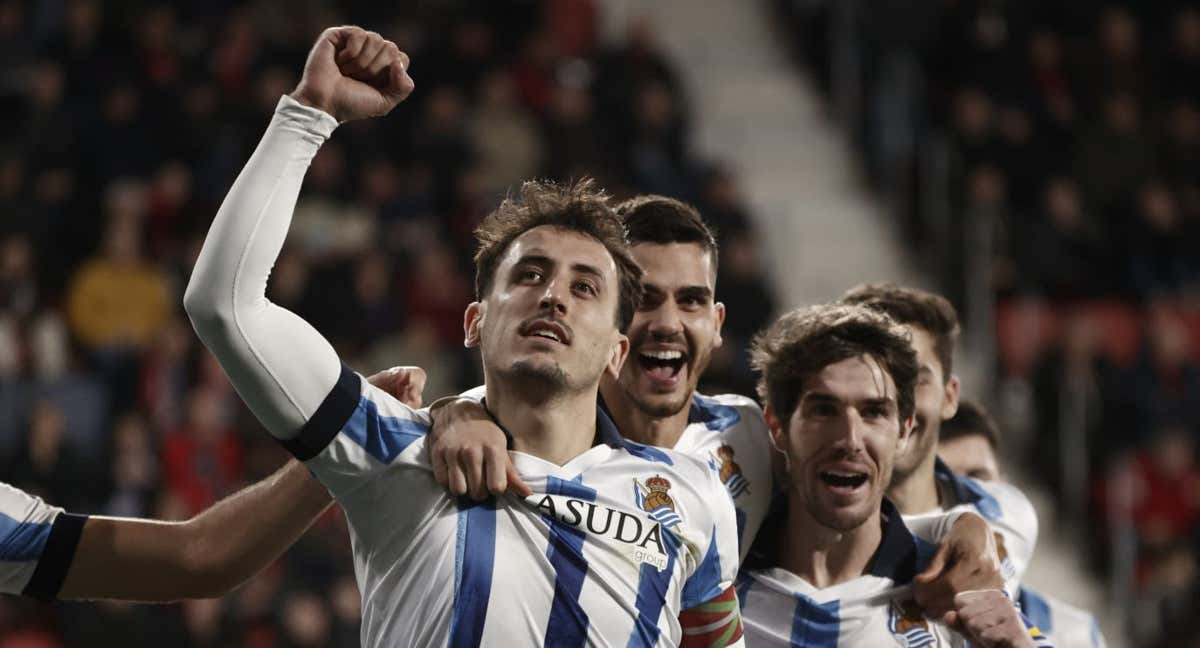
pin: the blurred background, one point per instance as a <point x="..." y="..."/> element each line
<point x="1037" y="162"/>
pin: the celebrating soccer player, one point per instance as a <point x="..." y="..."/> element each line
<point x="968" y="446"/>
<point x="838" y="382"/>
<point x="617" y="539"/>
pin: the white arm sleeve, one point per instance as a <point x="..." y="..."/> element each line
<point x="37" y="544"/>
<point x="280" y="365"/>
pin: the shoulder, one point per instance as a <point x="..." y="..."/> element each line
<point x="1012" y="504"/>
<point x="723" y="410"/>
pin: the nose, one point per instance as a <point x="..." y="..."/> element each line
<point x="850" y="432"/>
<point x="665" y="322"/>
<point x="552" y="298"/>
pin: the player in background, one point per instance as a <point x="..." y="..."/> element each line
<point x="838" y="386"/>
<point x="969" y="445"/>
<point x="49" y="554"/>
<point x="922" y="486"/>
<point x="556" y="289"/>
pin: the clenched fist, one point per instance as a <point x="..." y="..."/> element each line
<point x="352" y="73"/>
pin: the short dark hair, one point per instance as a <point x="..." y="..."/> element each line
<point x="927" y="311"/>
<point x="577" y="206"/>
<point x="659" y="219"/>
<point x="972" y="419"/>
<point x="806" y="340"/>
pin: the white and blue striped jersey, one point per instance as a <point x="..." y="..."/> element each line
<point x="609" y="549"/>
<point x="1066" y="625"/>
<point x="37" y="544"/>
<point x="876" y="609"/>
<point x="730" y="433"/>
<point x="1005" y="508"/>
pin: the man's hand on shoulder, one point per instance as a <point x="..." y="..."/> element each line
<point x="352" y="73"/>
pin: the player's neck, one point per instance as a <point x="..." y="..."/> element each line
<point x="826" y="557"/>
<point x="916" y="492"/>
<point x="637" y="425"/>
<point x="555" y="430"/>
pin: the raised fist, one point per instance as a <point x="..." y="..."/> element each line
<point x="352" y="73"/>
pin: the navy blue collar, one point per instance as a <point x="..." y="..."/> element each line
<point x="901" y="554"/>
<point x="606" y="430"/>
<point x="962" y="490"/>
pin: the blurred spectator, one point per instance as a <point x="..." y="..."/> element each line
<point x="47" y="465"/>
<point x="1062" y="253"/>
<point x="202" y="459"/>
<point x="1158" y="249"/>
<point x="1167" y="490"/>
<point x="118" y="300"/>
<point x="1116" y="156"/>
<point x="508" y="144"/>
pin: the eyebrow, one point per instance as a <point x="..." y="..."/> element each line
<point x="545" y="261"/>
<point x="886" y="401"/>
<point x="699" y="292"/>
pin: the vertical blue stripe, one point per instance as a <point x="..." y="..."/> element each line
<point x="1036" y="609"/>
<point x="652" y="595"/>
<point x="705" y="583"/>
<point x="744" y="583"/>
<point x="815" y="625"/>
<point x="568" y="624"/>
<point x="475" y="554"/>
<point x="22" y="541"/>
<point x="743" y="541"/>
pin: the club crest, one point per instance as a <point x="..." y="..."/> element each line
<point x="654" y="497"/>
<point x="908" y="625"/>
<point x="729" y="470"/>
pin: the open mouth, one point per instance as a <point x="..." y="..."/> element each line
<point x="547" y="330"/>
<point x="662" y="365"/>
<point x="843" y="479"/>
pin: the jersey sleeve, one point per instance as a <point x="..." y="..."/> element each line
<point x="279" y="364"/>
<point x="37" y="544"/>
<point x="749" y="480"/>
<point x="357" y="431"/>
<point x="1015" y="522"/>
<point x="710" y="613"/>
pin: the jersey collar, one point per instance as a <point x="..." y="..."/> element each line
<point x="606" y="430"/>
<point x="961" y="489"/>
<point x="901" y="554"/>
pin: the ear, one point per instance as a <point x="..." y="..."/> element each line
<point x="472" y="323"/>
<point x="776" y="428"/>
<point x="950" y="404"/>
<point x="907" y="425"/>
<point x="620" y="351"/>
<point x="720" y="307"/>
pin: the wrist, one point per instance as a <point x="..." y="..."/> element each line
<point x="305" y="96"/>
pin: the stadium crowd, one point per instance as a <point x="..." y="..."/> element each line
<point x="129" y="120"/>
<point x="1049" y="153"/>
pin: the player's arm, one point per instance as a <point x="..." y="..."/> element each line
<point x="966" y="560"/>
<point x="206" y="556"/>
<point x="281" y="366"/>
<point x="469" y="451"/>
<point x="990" y="620"/>
<point x="711" y="615"/>
<point x="217" y="550"/>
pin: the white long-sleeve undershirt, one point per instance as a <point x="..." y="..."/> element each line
<point x="280" y="365"/>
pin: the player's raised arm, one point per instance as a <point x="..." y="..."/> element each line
<point x="282" y="367"/>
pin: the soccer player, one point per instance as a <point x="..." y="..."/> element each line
<point x="49" y="554"/>
<point x="968" y="445"/>
<point x="654" y="399"/>
<point x="618" y="540"/>
<point x="922" y="486"/>
<point x="838" y="386"/>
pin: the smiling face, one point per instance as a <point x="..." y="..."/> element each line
<point x="549" y="321"/>
<point x="936" y="399"/>
<point x="841" y="440"/>
<point x="676" y="329"/>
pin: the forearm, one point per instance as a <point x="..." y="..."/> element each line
<point x="206" y="556"/>
<point x="278" y="363"/>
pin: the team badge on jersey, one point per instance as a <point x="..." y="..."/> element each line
<point x="654" y="497"/>
<point x="908" y="625"/>
<point x="730" y="472"/>
<point x="1007" y="569"/>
